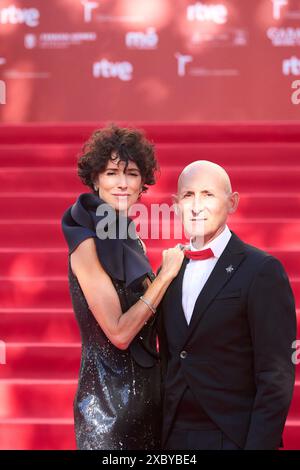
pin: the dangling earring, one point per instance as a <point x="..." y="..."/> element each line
<point x="95" y="188"/>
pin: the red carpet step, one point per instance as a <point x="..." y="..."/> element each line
<point x="38" y="182"/>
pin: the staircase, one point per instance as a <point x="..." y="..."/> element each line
<point x="38" y="182"/>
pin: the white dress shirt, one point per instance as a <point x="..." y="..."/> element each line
<point x="197" y="272"/>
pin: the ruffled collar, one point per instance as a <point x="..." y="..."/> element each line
<point x="122" y="256"/>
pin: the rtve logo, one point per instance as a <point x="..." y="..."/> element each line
<point x="106" y="69"/>
<point x="291" y="66"/>
<point x="215" y="13"/>
<point x="182" y="61"/>
<point x="88" y="8"/>
<point x="15" y="15"/>
<point x="277" y="6"/>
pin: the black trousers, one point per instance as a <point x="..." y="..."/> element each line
<point x="192" y="429"/>
<point x="198" y="439"/>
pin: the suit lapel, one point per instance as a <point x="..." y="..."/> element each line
<point x="225" y="268"/>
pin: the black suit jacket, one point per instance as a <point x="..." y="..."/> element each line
<point x="237" y="356"/>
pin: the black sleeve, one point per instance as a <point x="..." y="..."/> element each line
<point x="73" y="232"/>
<point x="272" y="321"/>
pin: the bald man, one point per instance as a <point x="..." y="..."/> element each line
<point x="228" y="322"/>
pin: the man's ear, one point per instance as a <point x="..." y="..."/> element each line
<point x="234" y="199"/>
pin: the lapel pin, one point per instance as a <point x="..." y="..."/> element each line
<point x="229" y="269"/>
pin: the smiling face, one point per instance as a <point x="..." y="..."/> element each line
<point x="205" y="200"/>
<point x="119" y="186"/>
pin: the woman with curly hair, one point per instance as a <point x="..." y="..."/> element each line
<point x="115" y="295"/>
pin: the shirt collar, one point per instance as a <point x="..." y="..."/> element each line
<point x="217" y="245"/>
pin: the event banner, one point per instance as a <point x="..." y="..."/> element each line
<point x="149" y="60"/>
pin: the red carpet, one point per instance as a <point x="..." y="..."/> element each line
<point x="37" y="183"/>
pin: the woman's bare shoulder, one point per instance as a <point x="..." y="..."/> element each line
<point x="85" y="257"/>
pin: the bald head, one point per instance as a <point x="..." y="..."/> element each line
<point x="208" y="171"/>
<point x="205" y="200"/>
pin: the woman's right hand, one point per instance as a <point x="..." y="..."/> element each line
<point x="171" y="263"/>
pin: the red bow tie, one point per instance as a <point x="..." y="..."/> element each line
<point x="198" y="255"/>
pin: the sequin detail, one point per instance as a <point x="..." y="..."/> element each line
<point x="118" y="402"/>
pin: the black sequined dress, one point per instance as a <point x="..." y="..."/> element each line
<point x="118" y="399"/>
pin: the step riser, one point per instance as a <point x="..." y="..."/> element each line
<point x="29" y="400"/>
<point x="37" y="400"/>
<point x="54" y="437"/>
<point x="215" y="132"/>
<point x="55" y="293"/>
<point x="39" y="327"/>
<point x="37" y="437"/>
<point x="27" y="294"/>
<point x="27" y="362"/>
<point x="33" y="264"/>
<point x="243" y="180"/>
<point x="56" y="362"/>
<point x="53" y="207"/>
<point x="44" y="327"/>
<point x="49" y="235"/>
<point x="291" y="437"/>
<point x="224" y="154"/>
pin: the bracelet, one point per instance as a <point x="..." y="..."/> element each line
<point x="149" y="305"/>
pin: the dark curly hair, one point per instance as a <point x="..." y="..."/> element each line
<point x="128" y="144"/>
